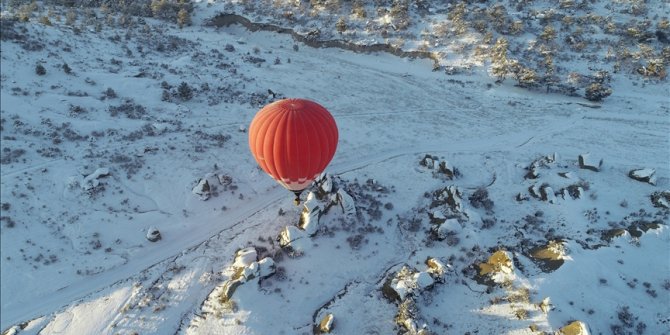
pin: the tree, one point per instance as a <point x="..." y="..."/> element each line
<point x="183" y="18"/>
<point x="185" y="92"/>
<point x="597" y="92"/>
<point x="341" y="25"/>
<point x="40" y="70"/>
<point x="499" y="62"/>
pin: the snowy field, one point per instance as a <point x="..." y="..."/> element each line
<point x="453" y="204"/>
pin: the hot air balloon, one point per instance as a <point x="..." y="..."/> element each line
<point x="293" y="140"/>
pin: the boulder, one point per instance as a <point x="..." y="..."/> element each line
<point x="326" y="184"/>
<point x="661" y="199"/>
<point x="574" y="328"/>
<point x="586" y="162"/>
<point x="643" y="175"/>
<point x="153" y="234"/>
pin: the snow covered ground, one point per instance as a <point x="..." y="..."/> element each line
<point x="95" y="156"/>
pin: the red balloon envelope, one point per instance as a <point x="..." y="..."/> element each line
<point x="293" y="140"/>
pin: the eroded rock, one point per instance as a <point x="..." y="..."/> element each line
<point x="245" y="257"/>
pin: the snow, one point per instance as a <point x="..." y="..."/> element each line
<point x="78" y="201"/>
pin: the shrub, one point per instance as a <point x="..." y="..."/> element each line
<point x="597" y="92"/>
<point x="40" y="70"/>
<point x="185" y="92"/>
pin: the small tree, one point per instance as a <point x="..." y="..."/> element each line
<point x="597" y="92"/>
<point x="185" y="92"/>
<point x="40" y="70"/>
<point x="499" y="64"/>
<point x="183" y="18"/>
<point x="341" y="25"/>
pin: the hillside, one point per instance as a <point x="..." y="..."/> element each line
<point x="460" y="199"/>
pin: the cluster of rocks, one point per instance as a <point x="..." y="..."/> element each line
<point x="404" y="286"/>
<point x="209" y="185"/>
<point x="440" y="168"/>
<point x="543" y="191"/>
<point x="90" y="183"/>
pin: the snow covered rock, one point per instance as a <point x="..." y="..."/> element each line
<point x="325" y="183"/>
<point x="311" y="212"/>
<point x="545" y="305"/>
<point x="423" y="280"/>
<point x="293" y="239"/>
<point x="586" y="162"/>
<point x="244" y="257"/>
<point x="327" y="324"/>
<point x="644" y="175"/>
<point x="450" y="226"/>
<point x="153" y="234"/>
<point x="400" y="285"/>
<point x="347" y="203"/>
<point x="228" y="289"/>
<point x="93" y="180"/>
<point x="661" y="199"/>
<point x="534" y="191"/>
<point x="450" y="196"/>
<point x="446" y="170"/>
<point x="202" y="189"/>
<point x="531" y="174"/>
<point x="428" y="161"/>
<point x="266" y="267"/>
<point x="437" y="217"/>
<point x="547" y="194"/>
<point x="574" y="328"/>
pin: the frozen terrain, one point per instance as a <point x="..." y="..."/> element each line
<point x="454" y="204"/>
